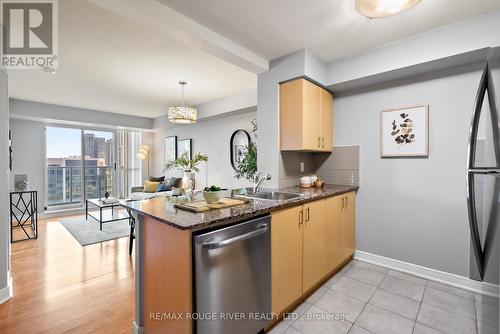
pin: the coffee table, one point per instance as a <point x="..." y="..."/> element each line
<point x="115" y="216"/>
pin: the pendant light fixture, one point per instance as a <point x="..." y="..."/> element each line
<point x="182" y="114"/>
<point x="382" y="8"/>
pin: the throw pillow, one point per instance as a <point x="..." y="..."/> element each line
<point x="150" y="187"/>
<point x="162" y="187"/>
<point x="157" y="178"/>
<point x="173" y="182"/>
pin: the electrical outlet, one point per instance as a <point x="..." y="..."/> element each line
<point x="302" y="167"/>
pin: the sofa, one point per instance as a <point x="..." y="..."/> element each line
<point x="164" y="188"/>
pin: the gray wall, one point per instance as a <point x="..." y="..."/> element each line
<point x="44" y="112"/>
<point x="28" y="121"/>
<point x="28" y="145"/>
<point x="414" y="210"/>
<point x="269" y="157"/>
<point x="211" y="137"/>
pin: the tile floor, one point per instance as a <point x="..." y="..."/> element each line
<point x="366" y="299"/>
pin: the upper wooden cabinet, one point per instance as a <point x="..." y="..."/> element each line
<point x="306" y="117"/>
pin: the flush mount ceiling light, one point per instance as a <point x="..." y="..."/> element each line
<point x="182" y="114"/>
<point x="382" y="8"/>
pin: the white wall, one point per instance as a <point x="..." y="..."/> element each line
<point x="210" y="137"/>
<point x="414" y="210"/>
<point x="5" y="281"/>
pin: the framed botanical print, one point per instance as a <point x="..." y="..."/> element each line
<point x="404" y="132"/>
<point x="170" y="149"/>
<point x="185" y="146"/>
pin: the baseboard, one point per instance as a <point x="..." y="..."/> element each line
<point x="428" y="273"/>
<point x="7" y="292"/>
<point x="136" y="329"/>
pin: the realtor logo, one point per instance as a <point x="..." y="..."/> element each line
<point x="29" y="36"/>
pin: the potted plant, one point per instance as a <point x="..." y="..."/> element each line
<point x="247" y="166"/>
<point x="189" y="168"/>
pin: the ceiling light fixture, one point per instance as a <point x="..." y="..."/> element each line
<point x="182" y="114"/>
<point x="382" y="8"/>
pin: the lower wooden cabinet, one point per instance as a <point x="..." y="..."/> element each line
<point x="307" y="243"/>
<point x="340" y="229"/>
<point x="349" y="224"/>
<point x="313" y="254"/>
<point x="334" y="234"/>
<point x="286" y="257"/>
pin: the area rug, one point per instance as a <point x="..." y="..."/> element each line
<point x="86" y="232"/>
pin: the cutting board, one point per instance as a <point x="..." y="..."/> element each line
<point x="202" y="206"/>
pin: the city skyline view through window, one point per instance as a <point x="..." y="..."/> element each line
<point x="85" y="163"/>
<point x="80" y="165"/>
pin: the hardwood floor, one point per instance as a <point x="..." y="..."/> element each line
<point x="62" y="287"/>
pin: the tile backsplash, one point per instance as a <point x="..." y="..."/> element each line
<point x="290" y="167"/>
<point x="339" y="167"/>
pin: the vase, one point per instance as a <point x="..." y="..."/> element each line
<point x="186" y="180"/>
<point x="192" y="179"/>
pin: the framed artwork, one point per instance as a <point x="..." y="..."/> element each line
<point x="185" y="146"/>
<point x="170" y="149"/>
<point x="404" y="132"/>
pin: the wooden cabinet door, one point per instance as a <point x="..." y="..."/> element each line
<point x="326" y="103"/>
<point x="349" y="223"/>
<point x="306" y="117"/>
<point x="334" y="248"/>
<point x="314" y="256"/>
<point x="311" y="117"/>
<point x="286" y="257"/>
<point x="291" y="110"/>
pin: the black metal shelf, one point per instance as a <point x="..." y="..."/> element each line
<point x="24" y="214"/>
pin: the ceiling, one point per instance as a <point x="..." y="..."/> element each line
<point x="331" y="29"/>
<point x="108" y="63"/>
<point x="112" y="62"/>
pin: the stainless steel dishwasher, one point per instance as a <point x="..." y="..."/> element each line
<point x="233" y="278"/>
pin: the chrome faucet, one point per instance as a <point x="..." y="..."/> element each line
<point x="257" y="181"/>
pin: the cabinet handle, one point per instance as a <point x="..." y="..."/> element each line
<point x="343" y="202"/>
<point x="323" y="142"/>
<point x="346" y="201"/>
<point x="307" y="214"/>
<point x="319" y="142"/>
<point x="301" y="217"/>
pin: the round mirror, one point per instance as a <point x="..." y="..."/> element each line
<point x="240" y="139"/>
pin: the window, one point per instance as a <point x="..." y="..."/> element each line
<point x="86" y="163"/>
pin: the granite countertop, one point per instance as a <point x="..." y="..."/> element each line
<point x="162" y="208"/>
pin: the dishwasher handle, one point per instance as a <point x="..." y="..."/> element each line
<point x="219" y="244"/>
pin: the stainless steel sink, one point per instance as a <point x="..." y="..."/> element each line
<point x="274" y="195"/>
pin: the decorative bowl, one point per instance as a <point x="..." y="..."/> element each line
<point x="212" y="197"/>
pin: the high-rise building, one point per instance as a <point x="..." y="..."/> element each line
<point x="64" y="183"/>
<point x="99" y="148"/>
<point x="110" y="152"/>
<point x="89" y="146"/>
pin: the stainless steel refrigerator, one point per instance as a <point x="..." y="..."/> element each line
<point x="483" y="197"/>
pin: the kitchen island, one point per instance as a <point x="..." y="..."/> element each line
<point x="164" y="251"/>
